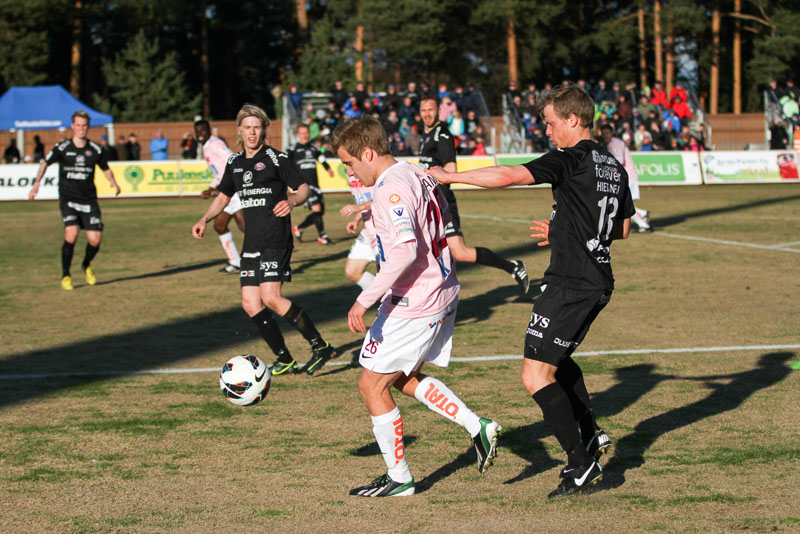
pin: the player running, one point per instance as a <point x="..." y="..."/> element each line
<point x="77" y="195"/>
<point x="420" y="294"/>
<point x="438" y="149"/>
<point x="216" y="153"/>
<point x="592" y="206"/>
<point x="259" y="174"/>
<point x="305" y="155"/>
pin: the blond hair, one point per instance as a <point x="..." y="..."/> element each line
<point x="251" y="110"/>
<point x="568" y="99"/>
<point x="82" y="114"/>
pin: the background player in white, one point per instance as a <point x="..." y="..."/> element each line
<point x="216" y="154"/>
<point x="620" y="150"/>
<point x="592" y="206"/>
<point x="365" y="246"/>
<point x="77" y="195"/>
<point x="419" y="293"/>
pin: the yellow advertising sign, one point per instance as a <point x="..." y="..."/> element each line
<point x="151" y="178"/>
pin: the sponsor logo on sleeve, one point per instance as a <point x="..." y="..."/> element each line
<point x="394" y="199"/>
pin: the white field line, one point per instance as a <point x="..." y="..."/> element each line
<point x="780" y="247"/>
<point x="470" y="359"/>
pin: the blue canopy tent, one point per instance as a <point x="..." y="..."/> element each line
<point x="43" y="108"/>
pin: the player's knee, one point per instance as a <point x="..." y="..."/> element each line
<point x="353" y="273"/>
<point x="220" y="226"/>
<point x="251" y="307"/>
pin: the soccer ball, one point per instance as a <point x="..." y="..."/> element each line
<point x="245" y="380"/>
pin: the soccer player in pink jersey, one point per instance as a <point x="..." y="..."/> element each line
<point x="418" y="290"/>
<point x="216" y="153"/>
<point x="365" y="246"/>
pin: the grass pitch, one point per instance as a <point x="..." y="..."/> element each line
<point x="705" y="436"/>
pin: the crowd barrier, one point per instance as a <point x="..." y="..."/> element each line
<point x="190" y="177"/>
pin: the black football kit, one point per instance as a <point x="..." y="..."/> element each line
<point x="437" y="148"/>
<point x="76" y="190"/>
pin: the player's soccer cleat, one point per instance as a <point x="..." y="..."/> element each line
<point x="229" y="269"/>
<point x="297" y="233"/>
<point x="319" y="356"/>
<point x="520" y="276"/>
<point x="384" y="486"/>
<point x="599" y="444"/>
<point x="283" y="368"/>
<point x="577" y="480"/>
<point x="91" y="279"/>
<point x="325" y="240"/>
<point x="66" y="283"/>
<point x="486" y="443"/>
<point x="646" y="216"/>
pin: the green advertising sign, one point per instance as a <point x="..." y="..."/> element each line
<point x="659" y="167"/>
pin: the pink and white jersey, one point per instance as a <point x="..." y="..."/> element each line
<point x="216" y="153"/>
<point x="361" y="194"/>
<point x="620" y="151"/>
<point x="407" y="207"/>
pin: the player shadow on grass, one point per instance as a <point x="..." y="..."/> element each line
<point x="633" y="382"/>
<point x="658" y="223"/>
<point x="629" y="451"/>
<point x="307" y="263"/>
<point x="166" y="272"/>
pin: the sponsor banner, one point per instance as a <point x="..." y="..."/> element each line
<point x="668" y="168"/>
<point x="749" y="167"/>
<point x="16" y="182"/>
<point x="516" y="159"/>
<point x="155" y="178"/>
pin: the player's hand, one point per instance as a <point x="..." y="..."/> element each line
<point x="283" y="208"/>
<point x="355" y="318"/>
<point x="199" y="228"/>
<point x="116" y="188"/>
<point x="541" y="230"/>
<point x="348" y="210"/>
<point x="330" y="173"/>
<point x="352" y="227"/>
<point x="208" y="193"/>
<point x="441" y="175"/>
<point x="34" y="191"/>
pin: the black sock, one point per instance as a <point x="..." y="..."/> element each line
<point x="318" y="222"/>
<point x="484" y="256"/>
<point x="570" y="377"/>
<point x="300" y="320"/>
<point x="91" y="252"/>
<point x="271" y="334"/>
<point x="308" y="221"/>
<point x="557" y="413"/>
<point x="67" y="250"/>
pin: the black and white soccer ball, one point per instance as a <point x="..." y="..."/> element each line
<point x="245" y="380"/>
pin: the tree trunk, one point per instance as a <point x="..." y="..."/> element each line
<point x="302" y="22"/>
<point x="511" y="42"/>
<point x="716" y="23"/>
<point x="75" y="59"/>
<point x="204" y="60"/>
<point x="360" y="53"/>
<point x="642" y="49"/>
<point x="657" y="40"/>
<point x="670" y="60"/>
<point x="737" y="59"/>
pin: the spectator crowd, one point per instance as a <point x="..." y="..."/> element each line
<point x="646" y="120"/>
<point x="398" y="111"/>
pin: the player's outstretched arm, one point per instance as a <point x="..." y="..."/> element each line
<point x="213" y="210"/>
<point x="350" y="209"/>
<point x="35" y="189"/>
<point x="541" y="230"/>
<point x="285" y="207"/>
<point x="487" y="177"/>
<point x="110" y="176"/>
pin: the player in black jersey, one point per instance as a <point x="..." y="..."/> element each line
<point x="305" y="155"/>
<point x="592" y="206"/>
<point x="260" y="175"/>
<point x="437" y="149"/>
<point x="77" y="195"/>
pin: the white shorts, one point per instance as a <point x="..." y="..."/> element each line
<point x="234" y="205"/>
<point x="398" y="344"/>
<point x="633" y="185"/>
<point x="364" y="248"/>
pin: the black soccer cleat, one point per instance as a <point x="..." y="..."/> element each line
<point x="577" y="480"/>
<point x="384" y="486"/>
<point x="319" y="356"/>
<point x="599" y="444"/>
<point x="520" y="276"/>
<point x="485" y="443"/>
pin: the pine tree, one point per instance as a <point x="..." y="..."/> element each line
<point x="144" y="89"/>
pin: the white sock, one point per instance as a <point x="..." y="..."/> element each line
<point x="641" y="212"/>
<point x="639" y="221"/>
<point x="435" y="395"/>
<point x="230" y="249"/>
<point x="365" y="280"/>
<point x="388" y="430"/>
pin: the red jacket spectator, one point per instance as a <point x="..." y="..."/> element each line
<point x="681" y="109"/>
<point x="678" y="90"/>
<point x="658" y="96"/>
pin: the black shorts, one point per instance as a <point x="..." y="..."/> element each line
<point x="560" y="320"/>
<point x="454" y="226"/>
<point x="271" y="265"/>
<point x="83" y="214"/>
<point x="315" y="197"/>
